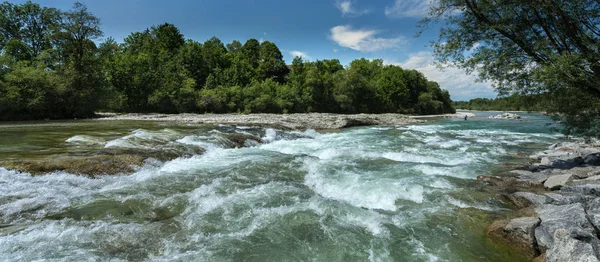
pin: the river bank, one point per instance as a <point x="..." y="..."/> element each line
<point x="556" y="201"/>
<point x="317" y="121"/>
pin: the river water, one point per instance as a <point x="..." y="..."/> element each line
<point x="362" y="194"/>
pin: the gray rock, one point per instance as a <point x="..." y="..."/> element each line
<point x="570" y="217"/>
<point x="556" y="182"/>
<point x="566" y="163"/>
<point x="523" y="227"/>
<point x="521" y="172"/>
<point x="586" y="189"/>
<point x="588" y="151"/>
<point x="535" y="177"/>
<point x="546" y="161"/>
<point x="592" y="159"/>
<point x="533" y="199"/>
<point x="561" y="199"/>
<point x="584" y="172"/>
<point x="572" y="247"/>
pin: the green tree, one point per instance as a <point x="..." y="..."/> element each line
<point x="527" y="47"/>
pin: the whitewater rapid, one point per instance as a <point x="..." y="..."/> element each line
<point x="361" y="194"/>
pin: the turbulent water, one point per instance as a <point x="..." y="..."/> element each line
<point x="362" y="194"/>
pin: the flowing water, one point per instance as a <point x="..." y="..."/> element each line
<point x="362" y="194"/>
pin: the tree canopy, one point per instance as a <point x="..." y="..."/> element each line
<point x="528" y="47"/>
<point x="53" y="67"/>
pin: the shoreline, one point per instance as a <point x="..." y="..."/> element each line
<point x="555" y="202"/>
<point x="300" y="121"/>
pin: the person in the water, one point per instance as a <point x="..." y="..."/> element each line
<point x="465" y="117"/>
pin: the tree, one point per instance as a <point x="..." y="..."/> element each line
<point x="271" y="64"/>
<point x="527" y="47"/>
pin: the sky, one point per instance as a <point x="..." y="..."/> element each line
<point x="313" y="29"/>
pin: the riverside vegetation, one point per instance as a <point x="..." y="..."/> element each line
<point x="52" y="68"/>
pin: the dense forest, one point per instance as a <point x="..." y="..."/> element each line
<point x="532" y="103"/>
<point x="54" y="65"/>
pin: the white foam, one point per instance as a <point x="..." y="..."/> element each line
<point x="83" y="139"/>
<point x="360" y="190"/>
<point x="270" y="135"/>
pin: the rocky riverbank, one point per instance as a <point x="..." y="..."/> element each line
<point x="317" y="121"/>
<point x="557" y="199"/>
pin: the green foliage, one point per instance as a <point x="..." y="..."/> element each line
<point x="528" y="47"/>
<point x="510" y="103"/>
<point x="51" y="68"/>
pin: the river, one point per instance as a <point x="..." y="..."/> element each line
<point x="406" y="193"/>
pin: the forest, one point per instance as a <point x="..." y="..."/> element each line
<point x="56" y="64"/>
<point x="531" y="103"/>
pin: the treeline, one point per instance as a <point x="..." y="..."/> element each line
<point x="51" y="67"/>
<point x="538" y="102"/>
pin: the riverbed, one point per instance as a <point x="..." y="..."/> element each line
<point x="373" y="193"/>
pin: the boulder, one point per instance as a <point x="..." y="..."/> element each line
<point x="572" y="246"/>
<point x="586" y="189"/>
<point x="585" y="172"/>
<point x="518" y="233"/>
<point x="592" y="159"/>
<point x="556" y="182"/>
<point x="566" y="163"/>
<point x="561" y="199"/>
<point x="569" y="217"/>
<point x="535" y="177"/>
<point x="525" y="199"/>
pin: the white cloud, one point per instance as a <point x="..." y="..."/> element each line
<point x="460" y="85"/>
<point x="347" y="9"/>
<point x="300" y="54"/>
<point x="409" y="8"/>
<point x="363" y="40"/>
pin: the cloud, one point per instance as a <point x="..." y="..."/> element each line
<point x="347" y="9"/>
<point x="363" y="40"/>
<point x="460" y="85"/>
<point x="409" y="8"/>
<point x="300" y="54"/>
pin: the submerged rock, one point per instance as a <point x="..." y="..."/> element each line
<point x="519" y="233"/>
<point x="238" y="140"/>
<point x="82" y="165"/>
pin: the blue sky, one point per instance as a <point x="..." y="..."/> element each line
<point x="314" y="29"/>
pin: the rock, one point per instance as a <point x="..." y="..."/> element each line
<point x="593" y="211"/>
<point x="567" y="163"/>
<point x="6" y="229"/>
<point x="570" y="217"/>
<point x="556" y="182"/>
<point x="592" y="159"/>
<point x="239" y="140"/>
<point x="525" y="199"/>
<point x="585" y="172"/>
<point x="506" y="116"/>
<point x="586" y="189"/>
<point x="540" y="258"/>
<point x="559" y="199"/>
<point x="535" y="177"/>
<point x="521" y="172"/>
<point x="546" y="161"/>
<point x="570" y="246"/>
<point x="518" y="233"/>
